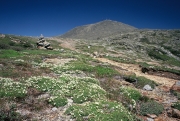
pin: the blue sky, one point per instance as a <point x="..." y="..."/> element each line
<point x="55" y="17"/>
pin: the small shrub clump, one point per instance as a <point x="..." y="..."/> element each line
<point x="130" y="96"/>
<point x="175" y="93"/>
<point x="130" y="93"/>
<point x="9" y="53"/>
<point x="176" y="105"/>
<point x="140" y="81"/>
<point x="100" y="111"/>
<point x="58" y="101"/>
<point x="151" y="107"/>
<point x="10" y="88"/>
<point x="102" y="71"/>
<point x="78" y="89"/>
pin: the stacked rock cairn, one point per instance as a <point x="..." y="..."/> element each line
<point x="43" y="44"/>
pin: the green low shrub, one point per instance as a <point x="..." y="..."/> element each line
<point x="160" y="55"/>
<point x="4" y="46"/>
<point x="10" y="88"/>
<point x="81" y="66"/>
<point x="84" y="92"/>
<point x="101" y="71"/>
<point x="145" y="40"/>
<point x="58" y="101"/>
<point x="176" y="105"/>
<point x="90" y="80"/>
<point x="44" y="83"/>
<point x="142" y="81"/>
<point x="151" y="107"/>
<point x="130" y="93"/>
<point x="79" y="89"/>
<point x="175" y="93"/>
<point x="172" y="50"/>
<point x="100" y="111"/>
<point x="9" y="54"/>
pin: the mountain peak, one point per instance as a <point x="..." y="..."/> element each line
<point x="97" y="30"/>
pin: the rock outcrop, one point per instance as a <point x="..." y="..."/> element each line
<point x="43" y="44"/>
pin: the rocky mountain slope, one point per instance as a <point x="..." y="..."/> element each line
<point x="97" y="30"/>
<point x="122" y="76"/>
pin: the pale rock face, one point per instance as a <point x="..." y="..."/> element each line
<point x="54" y="109"/>
<point x="176" y="113"/>
<point x="147" y="87"/>
<point x="150" y="119"/>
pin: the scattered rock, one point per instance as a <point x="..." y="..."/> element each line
<point x="150" y="119"/>
<point x="41" y="48"/>
<point x="169" y="112"/>
<point x="170" y="101"/>
<point x="147" y="87"/>
<point x="43" y="96"/>
<point x="175" y="113"/>
<point x="61" y="50"/>
<point x="1" y="66"/>
<point x="54" y="109"/>
<point x="23" y="112"/>
<point x="176" y="87"/>
<point x="70" y="102"/>
<point x="95" y="54"/>
<point x="153" y="116"/>
<point x="49" y="48"/>
<point x="118" y="77"/>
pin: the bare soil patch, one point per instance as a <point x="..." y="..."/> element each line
<point x="133" y="68"/>
<point x="67" y="43"/>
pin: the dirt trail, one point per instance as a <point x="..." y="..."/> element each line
<point x="132" y="68"/>
<point x="128" y="68"/>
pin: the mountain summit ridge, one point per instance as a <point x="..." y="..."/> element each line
<point x="97" y="30"/>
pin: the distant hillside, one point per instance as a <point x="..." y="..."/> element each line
<point x="98" y="30"/>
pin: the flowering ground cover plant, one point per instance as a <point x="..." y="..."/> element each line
<point x="10" y="88"/>
<point x="100" y="111"/>
<point x="130" y="95"/>
<point x="79" y="89"/>
<point x="76" y="80"/>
